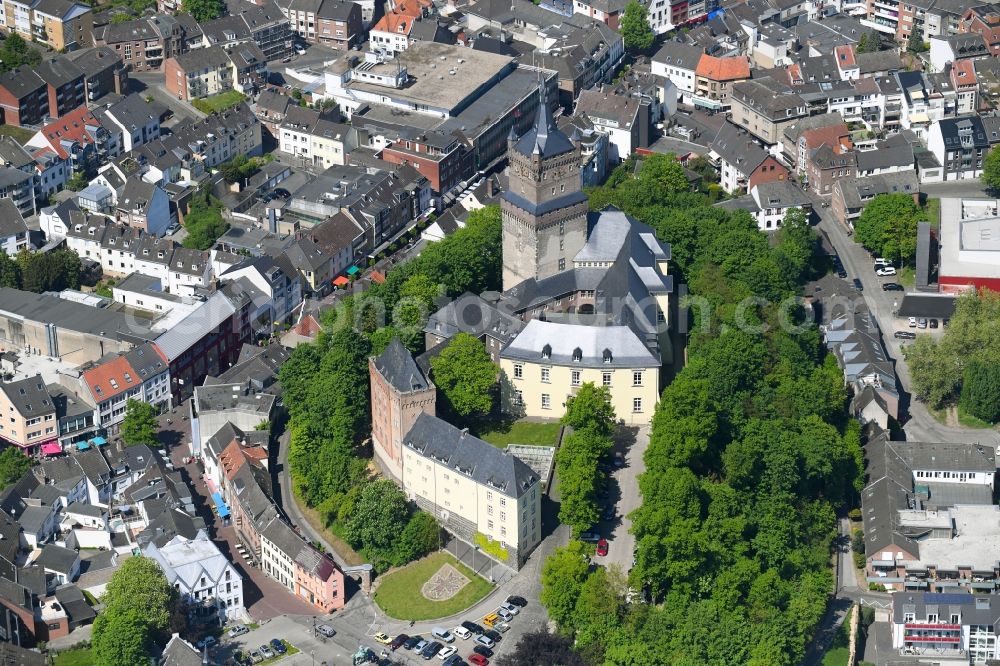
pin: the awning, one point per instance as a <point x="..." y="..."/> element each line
<point x="82" y="446"/>
<point x="919" y="117"/>
<point x="98" y="441"/>
<point x="220" y="505"/>
<point x="352" y="270"/>
<point x="51" y="449"/>
<point x="340" y="281"/>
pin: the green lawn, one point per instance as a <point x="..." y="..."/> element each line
<point x="933" y="212"/>
<point x="399" y="595"/>
<point x="77" y="657"/>
<point x="219" y="102"/>
<point x="907" y="276"/>
<point x="20" y="134"/>
<point x="521" y="432"/>
<point x="838" y="652"/>
<point x="970" y="421"/>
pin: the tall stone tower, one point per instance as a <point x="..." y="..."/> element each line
<point x="544" y="209"/>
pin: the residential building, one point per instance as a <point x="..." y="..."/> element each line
<point x="237" y="404"/>
<point x="103" y="71"/>
<point x="144" y="206"/>
<point x="136" y="119"/>
<point x="827" y="155"/>
<point x="267" y="26"/>
<point x="469" y="313"/>
<point x="210" y="587"/>
<point x="714" y="79"/>
<point x="765" y="108"/>
<point x="144" y="44"/>
<point x="606" y="11"/>
<point x="110" y="383"/>
<point x="854" y="337"/>
<point x="24" y="97"/>
<point x="851" y="195"/>
<point x="742" y="162"/>
<point x="30" y="417"/>
<point x="667" y="15"/>
<point x="625" y="119"/>
<point x="13" y="230"/>
<point x="963" y="80"/>
<point x="983" y="20"/>
<point x="333" y="23"/>
<point x="65" y="84"/>
<point x="399" y="393"/>
<point x="892" y="155"/>
<point x="472" y="488"/>
<point x="20" y="187"/>
<point x="61" y="565"/>
<point x="62" y="25"/>
<point x="79" y="139"/>
<point x="963" y="46"/>
<point x="280" y="285"/>
<point x="198" y="73"/>
<point x="953" y="626"/>
<point x="959" y="144"/>
<point x="677" y="62"/>
<point x="774" y="200"/>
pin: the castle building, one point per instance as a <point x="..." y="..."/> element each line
<point x="399" y="394"/>
<point x="544" y="210"/>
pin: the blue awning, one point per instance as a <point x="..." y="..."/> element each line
<point x="352" y="270"/>
<point x="220" y="506"/>
<point x="98" y="441"/>
<point x="82" y="446"/>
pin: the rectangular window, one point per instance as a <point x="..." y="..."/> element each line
<point x="546" y="401"/>
<point x="606" y="379"/>
<point x="545" y="374"/>
<point x="518" y="371"/>
<point x="489" y="524"/>
<point x="636" y="378"/>
<point x="576" y="378"/>
<point x="637" y="405"/>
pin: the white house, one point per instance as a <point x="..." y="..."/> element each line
<point x="13" y="230"/>
<point x="676" y="62"/>
<point x="137" y="120"/>
<point x="208" y="583"/>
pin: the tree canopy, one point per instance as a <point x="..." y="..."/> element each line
<point x="41" y="271"/>
<point x="13" y="465"/>
<point x="888" y="226"/>
<point x="15" y="52"/>
<point x="636" y="33"/>
<point x="203" y="10"/>
<point x="465" y="377"/>
<point x="991" y="169"/>
<point x="139" y="424"/>
<point x="204" y="222"/>
<point x="138" y="605"/>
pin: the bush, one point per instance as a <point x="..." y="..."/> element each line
<point x="492" y="548"/>
<point x="854" y="514"/>
<point x="980" y="395"/>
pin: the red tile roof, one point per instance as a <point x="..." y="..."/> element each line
<point x="395" y="23"/>
<point x="377" y="277"/>
<point x="845" y="56"/>
<point x="110" y="378"/>
<point x="307" y="327"/>
<point x="732" y="68"/>
<point x="72" y="127"/>
<point x="963" y="73"/>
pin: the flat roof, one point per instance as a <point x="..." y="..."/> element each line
<point x="927" y="305"/>
<point x="976" y="542"/>
<point x="429" y="66"/>
<point x="970" y="225"/>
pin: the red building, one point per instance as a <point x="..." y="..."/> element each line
<point x="441" y="158"/>
<point x="768" y="171"/>
<point x="24" y="97"/>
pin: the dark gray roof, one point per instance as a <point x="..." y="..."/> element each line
<point x="737" y="147"/>
<point x="29" y="396"/>
<point x="895" y="151"/>
<point x="679" y="54"/>
<point x="73" y="316"/>
<point x="75" y="604"/>
<point x="57" y="8"/>
<point x="953" y="129"/>
<point x="179" y="652"/>
<point x="982" y="609"/>
<point x="21" y="82"/>
<point x="857" y="191"/>
<point x="470" y="456"/>
<point x="337" y="10"/>
<point x="780" y="194"/>
<point x="12" y="655"/>
<point x="56" y="558"/>
<point x="941" y="306"/>
<point x="198" y="59"/>
<point x="133" y="111"/>
<point x="13" y="154"/>
<point x="396" y="364"/>
<point x="544" y="138"/>
<point x="94" y="60"/>
<point x="471" y="314"/>
<point x="169" y="524"/>
<point x="57" y="71"/>
<point x="85" y="509"/>
<point x="770" y="98"/>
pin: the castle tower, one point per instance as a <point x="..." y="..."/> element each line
<point x="544" y="210"/>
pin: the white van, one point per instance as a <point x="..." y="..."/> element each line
<point x="443" y="635"/>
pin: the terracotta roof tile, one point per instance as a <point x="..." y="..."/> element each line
<point x="963" y="73"/>
<point x="395" y="23"/>
<point x="73" y="127"/>
<point x="845" y="56"/>
<point x="732" y="68"/>
<point x="110" y="378"/>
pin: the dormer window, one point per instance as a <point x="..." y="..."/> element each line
<point x="577" y="355"/>
<point x="607" y="356"/>
<point x="547" y="351"/>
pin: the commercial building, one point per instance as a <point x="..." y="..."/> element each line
<point x="970" y="244"/>
<point x="952" y="627"/>
<point x="475" y="490"/>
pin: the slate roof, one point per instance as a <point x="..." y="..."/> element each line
<point x="780" y="194"/>
<point x="21" y="82"/>
<point x="857" y="191"/>
<point x="397" y="366"/>
<point x="179" y="652"/>
<point x="58" y="559"/>
<point x="953" y="128"/>
<point x="597" y="346"/>
<point x="58" y="71"/>
<point x="469" y="313"/>
<point x="895" y="151"/>
<point x="738" y="148"/>
<point x="470" y="456"/>
<point x="29" y="396"/>
<point x="168" y="525"/>
<point x="75" y="604"/>
<point x="12" y="655"/>
<point x="544" y="138"/>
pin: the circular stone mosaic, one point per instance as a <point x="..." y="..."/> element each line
<point x="444" y="584"/>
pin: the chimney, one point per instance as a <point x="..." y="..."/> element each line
<point x="489" y="186"/>
<point x="465" y="431"/>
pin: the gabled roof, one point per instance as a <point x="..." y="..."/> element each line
<point x="738" y="148"/>
<point x="544" y="139"/>
<point x="77" y="126"/>
<point x="58" y="71"/>
<point x="396" y="24"/>
<point x="733" y="68"/>
<point x="397" y="366"/>
<point x="110" y="377"/>
<point x="29" y="396"/>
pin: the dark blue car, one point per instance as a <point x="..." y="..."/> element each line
<point x="278" y="646"/>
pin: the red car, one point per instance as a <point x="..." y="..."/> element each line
<point x="478" y="660"/>
<point x="602" y="548"/>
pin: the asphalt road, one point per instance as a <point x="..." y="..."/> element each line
<point x="625" y="487"/>
<point x="151" y="83"/>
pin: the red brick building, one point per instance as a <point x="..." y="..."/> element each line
<point x="984" y="20"/>
<point x="441" y="158"/>
<point x="24" y="97"/>
<point x="768" y="171"/>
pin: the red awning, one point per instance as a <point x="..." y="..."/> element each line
<point x="341" y="281"/>
<point x="51" y="449"/>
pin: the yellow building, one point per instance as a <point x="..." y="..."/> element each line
<point x="473" y="488"/>
<point x="59" y="24"/>
<point x="548" y="361"/>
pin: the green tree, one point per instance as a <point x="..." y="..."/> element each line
<point x="888" y="226"/>
<point x="665" y="172"/>
<point x="204" y="222"/>
<point x="862" y="45"/>
<point x="380" y="515"/>
<point x="139" y="425"/>
<point x="15" y="52"/>
<point x="421" y="535"/>
<point x="465" y="376"/>
<point x="121" y="17"/>
<point x="77" y="181"/>
<point x="13" y="465"/>
<point x="635" y="28"/>
<point x="10" y="272"/>
<point x="991" y="169"/>
<point x="203" y="10"/>
<point x="915" y="42"/>
<point x="981" y="391"/>
<point x="563" y="575"/>
<point x="138" y="605"/>
<point x="936" y="376"/>
<point x="590" y="408"/>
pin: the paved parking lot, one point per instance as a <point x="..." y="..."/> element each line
<point x="625" y="489"/>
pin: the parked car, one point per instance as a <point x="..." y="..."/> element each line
<point x="619" y="460"/>
<point x="912" y="322"/>
<point x="478" y="660"/>
<point x="502" y="627"/>
<point x="904" y="335"/>
<point x="841" y="273"/>
<point x="443" y="635"/>
<point x="266" y="652"/>
<point x="419" y="647"/>
<point x="922" y="322"/>
<point x="453" y="660"/>
<point x="447" y="652"/>
<point x="934" y="323"/>
<point x="241" y="659"/>
<point x="326" y="630"/>
<point x="237" y="630"/>
<point x="493" y="635"/>
<point x="255" y="656"/>
<point x="590" y="536"/>
<point x="885" y="270"/>
<point x="513" y="609"/>
<point x="412" y="642"/>
<point x="892" y="286"/>
<point x="462" y="633"/>
<point x="858" y="285"/>
<point x="490" y="619"/>
<point x="398" y="641"/>
<point x="602" y="548"/>
<point x="278" y="646"/>
<point x="881" y="261"/>
<point x="383" y="638"/>
<point x="431" y="649"/>
<point x="483" y="650"/>
<point x="517" y="601"/>
<point x="207" y="641"/>
<point x="504" y="614"/>
<point x="300" y="49"/>
<point x="485" y="641"/>
<point x="473" y="627"/>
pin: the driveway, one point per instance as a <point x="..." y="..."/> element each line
<point x="625" y="487"/>
<point x="151" y="83"/>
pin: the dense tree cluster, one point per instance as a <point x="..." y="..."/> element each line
<point x="140" y="607"/>
<point x="139" y="425"/>
<point x="750" y="456"/>
<point x="578" y="461"/>
<point x="13" y="465"/>
<point x="465" y="377"/>
<point x="888" y="226"/>
<point x="15" y="52"/>
<point x="41" y="271"/>
<point x="968" y="350"/>
<point x="636" y="33"/>
<point x="203" y="10"/>
<point x="204" y="222"/>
